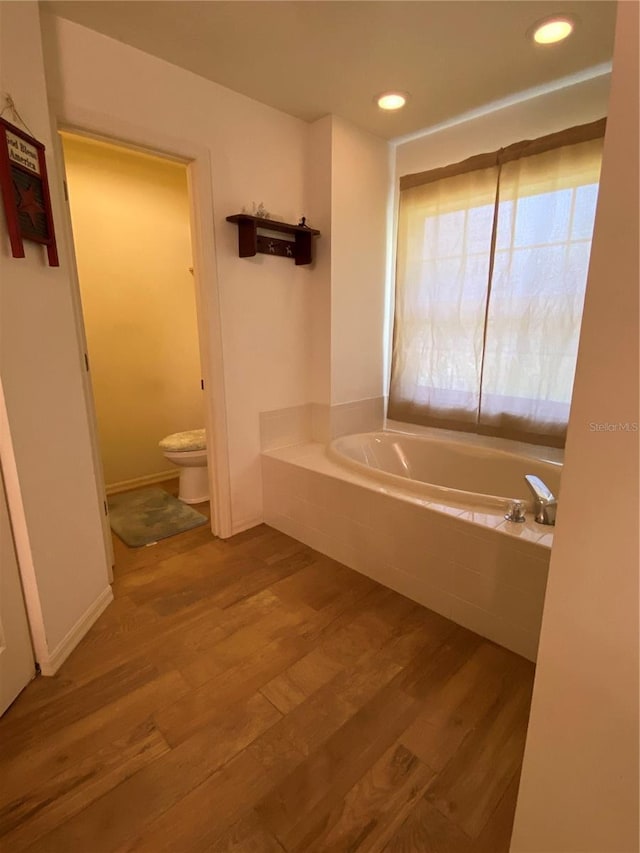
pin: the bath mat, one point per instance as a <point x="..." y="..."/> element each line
<point x="147" y="515"/>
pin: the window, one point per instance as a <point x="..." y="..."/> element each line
<point x="492" y="266"/>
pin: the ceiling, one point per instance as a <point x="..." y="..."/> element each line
<point x="313" y="57"/>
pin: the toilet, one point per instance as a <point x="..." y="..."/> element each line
<point x="188" y="450"/>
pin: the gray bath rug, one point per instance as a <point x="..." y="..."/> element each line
<point x="147" y="515"/>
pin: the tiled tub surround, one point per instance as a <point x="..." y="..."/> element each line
<point x="319" y="422"/>
<point x="468" y="564"/>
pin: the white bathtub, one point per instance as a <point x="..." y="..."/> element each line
<point x="454" y="471"/>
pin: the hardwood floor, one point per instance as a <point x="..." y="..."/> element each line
<point x="254" y="696"/>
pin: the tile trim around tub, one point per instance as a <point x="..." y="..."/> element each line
<point x="285" y="427"/>
<point x="319" y="422"/>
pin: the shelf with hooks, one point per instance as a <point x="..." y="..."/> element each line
<point x="256" y="234"/>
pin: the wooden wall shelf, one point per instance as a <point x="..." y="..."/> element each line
<point x="250" y="241"/>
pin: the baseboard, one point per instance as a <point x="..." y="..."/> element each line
<point x="137" y="482"/>
<point x="58" y="656"/>
<point x="241" y="526"/>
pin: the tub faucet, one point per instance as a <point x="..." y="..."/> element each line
<point x="545" y="503"/>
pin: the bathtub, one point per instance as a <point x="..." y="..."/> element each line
<point x="422" y="512"/>
<point x="453" y="471"/>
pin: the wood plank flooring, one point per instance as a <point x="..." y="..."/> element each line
<point x="254" y="696"/>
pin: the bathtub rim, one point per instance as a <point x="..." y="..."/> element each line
<point x="539" y="452"/>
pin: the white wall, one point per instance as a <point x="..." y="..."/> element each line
<point x="257" y="154"/>
<point x="318" y="209"/>
<point x="360" y="189"/>
<point x="130" y="215"/>
<point x="348" y="186"/>
<point x="575" y="104"/>
<point x="579" y="787"/>
<point x="43" y="381"/>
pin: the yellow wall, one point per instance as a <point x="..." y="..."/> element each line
<point x="130" y="216"/>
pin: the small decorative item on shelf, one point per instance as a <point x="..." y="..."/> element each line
<point x="256" y="235"/>
<point x="258" y="210"/>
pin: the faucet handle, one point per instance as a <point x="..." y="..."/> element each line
<point x="515" y="511"/>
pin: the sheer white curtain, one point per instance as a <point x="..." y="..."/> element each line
<point x="491" y="272"/>
<point x="444" y="238"/>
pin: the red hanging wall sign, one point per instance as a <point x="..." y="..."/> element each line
<point x="25" y="191"/>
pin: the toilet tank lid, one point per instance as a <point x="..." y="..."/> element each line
<point x="193" y="439"/>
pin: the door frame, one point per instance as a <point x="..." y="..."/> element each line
<point x="16" y="646"/>
<point x="30" y="589"/>
<point x="196" y="158"/>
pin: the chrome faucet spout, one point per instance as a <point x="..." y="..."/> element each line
<point x="545" y="503"/>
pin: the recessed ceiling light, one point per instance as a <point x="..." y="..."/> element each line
<point x="392" y="100"/>
<point x="553" y="29"/>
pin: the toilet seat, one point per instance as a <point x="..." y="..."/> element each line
<point x="180" y="442"/>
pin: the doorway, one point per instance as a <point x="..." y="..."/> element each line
<point x="130" y="215"/>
